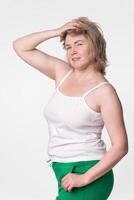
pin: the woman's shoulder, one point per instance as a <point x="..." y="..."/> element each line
<point x="100" y="78"/>
<point x="106" y="88"/>
<point x="107" y="92"/>
<point x="61" y="72"/>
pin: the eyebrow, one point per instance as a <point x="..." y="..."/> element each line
<point x="74" y="42"/>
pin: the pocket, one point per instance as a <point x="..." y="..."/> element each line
<point x="82" y="167"/>
<point x="61" y="169"/>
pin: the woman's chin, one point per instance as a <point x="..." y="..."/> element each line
<point x="76" y="66"/>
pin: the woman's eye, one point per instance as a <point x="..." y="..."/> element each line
<point x="68" y="48"/>
<point x="79" y="44"/>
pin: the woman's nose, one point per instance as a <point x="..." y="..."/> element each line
<point x="74" y="51"/>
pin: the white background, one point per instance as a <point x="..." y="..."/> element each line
<point x="24" y="92"/>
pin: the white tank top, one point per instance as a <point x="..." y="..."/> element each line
<point x="74" y="128"/>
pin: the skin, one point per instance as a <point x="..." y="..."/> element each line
<point x="79" y="47"/>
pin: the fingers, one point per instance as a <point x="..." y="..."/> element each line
<point x="66" y="184"/>
<point x="72" y="25"/>
<point x="67" y="187"/>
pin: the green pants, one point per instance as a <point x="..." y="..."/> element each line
<point x="99" y="189"/>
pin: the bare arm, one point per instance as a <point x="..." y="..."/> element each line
<point x="112" y="114"/>
<point x="30" y="41"/>
<point x="25" y="48"/>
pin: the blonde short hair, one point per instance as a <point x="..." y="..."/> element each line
<point x="92" y="31"/>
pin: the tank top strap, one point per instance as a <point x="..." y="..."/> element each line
<point x="97" y="86"/>
<point x="64" y="77"/>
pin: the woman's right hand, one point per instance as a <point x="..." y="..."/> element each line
<point x="68" y="26"/>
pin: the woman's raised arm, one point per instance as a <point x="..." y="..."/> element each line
<point x="25" y="48"/>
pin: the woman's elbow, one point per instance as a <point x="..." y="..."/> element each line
<point x="126" y="150"/>
<point x="122" y="150"/>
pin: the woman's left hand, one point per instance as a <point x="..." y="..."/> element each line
<point x="73" y="180"/>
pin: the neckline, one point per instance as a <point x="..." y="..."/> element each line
<point x="80" y="98"/>
<point x="68" y="95"/>
<point x="77" y="97"/>
<point x="85" y="93"/>
<point x="57" y="88"/>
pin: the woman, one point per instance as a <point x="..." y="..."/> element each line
<point x="82" y="103"/>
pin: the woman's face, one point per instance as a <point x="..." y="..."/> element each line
<point x="79" y="51"/>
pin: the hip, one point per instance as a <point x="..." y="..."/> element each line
<point x="98" y="189"/>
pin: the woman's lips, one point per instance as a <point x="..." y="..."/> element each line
<point x="75" y="59"/>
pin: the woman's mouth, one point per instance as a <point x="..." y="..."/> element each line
<point x="76" y="59"/>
